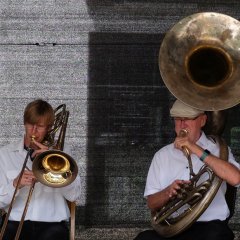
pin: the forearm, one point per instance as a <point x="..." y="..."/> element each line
<point x="6" y="194"/>
<point x="72" y="192"/>
<point x="159" y="199"/>
<point x="225" y="170"/>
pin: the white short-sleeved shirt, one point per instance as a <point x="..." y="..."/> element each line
<point x="170" y="164"/>
<point x="47" y="204"/>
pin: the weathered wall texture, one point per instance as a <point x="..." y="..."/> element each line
<point x="101" y="59"/>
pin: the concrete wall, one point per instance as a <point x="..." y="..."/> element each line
<point x="101" y="59"/>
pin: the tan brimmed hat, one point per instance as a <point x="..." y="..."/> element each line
<point x="179" y="109"/>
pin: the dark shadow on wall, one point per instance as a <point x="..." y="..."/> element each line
<point x="127" y="122"/>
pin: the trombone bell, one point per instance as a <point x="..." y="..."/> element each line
<point x="55" y="168"/>
<point x="56" y="163"/>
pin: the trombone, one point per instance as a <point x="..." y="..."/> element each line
<point x="53" y="168"/>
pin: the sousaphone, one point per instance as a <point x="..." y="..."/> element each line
<point x="199" y="64"/>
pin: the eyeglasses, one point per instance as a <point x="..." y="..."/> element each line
<point x="185" y="119"/>
<point x="39" y="128"/>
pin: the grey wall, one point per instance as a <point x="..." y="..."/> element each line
<point x="101" y="59"/>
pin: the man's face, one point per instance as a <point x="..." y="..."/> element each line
<point x="192" y="125"/>
<point x="38" y="131"/>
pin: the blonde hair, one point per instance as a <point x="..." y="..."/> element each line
<point x="39" y="109"/>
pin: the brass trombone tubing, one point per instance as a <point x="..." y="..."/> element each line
<point x="25" y="211"/>
<point x="14" y="195"/>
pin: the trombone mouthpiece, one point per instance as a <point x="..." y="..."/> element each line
<point x="32" y="138"/>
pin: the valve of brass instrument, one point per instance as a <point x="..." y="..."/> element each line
<point x="183" y="191"/>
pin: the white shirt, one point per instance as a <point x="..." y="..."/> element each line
<point x="47" y="204"/>
<point x="170" y="164"/>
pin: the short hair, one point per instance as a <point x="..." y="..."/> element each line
<point x="39" y="109"/>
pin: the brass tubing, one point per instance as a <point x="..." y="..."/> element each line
<point x="24" y="211"/>
<point x="14" y="194"/>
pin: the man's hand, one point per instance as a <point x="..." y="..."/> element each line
<point x="174" y="188"/>
<point x="27" y="179"/>
<point x="41" y="148"/>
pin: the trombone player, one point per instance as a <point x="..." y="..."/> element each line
<point x="48" y="210"/>
<point x="169" y="171"/>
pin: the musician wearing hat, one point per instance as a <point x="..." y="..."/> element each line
<point x="170" y="172"/>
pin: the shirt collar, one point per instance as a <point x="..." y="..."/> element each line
<point x="202" y="140"/>
<point x="18" y="146"/>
